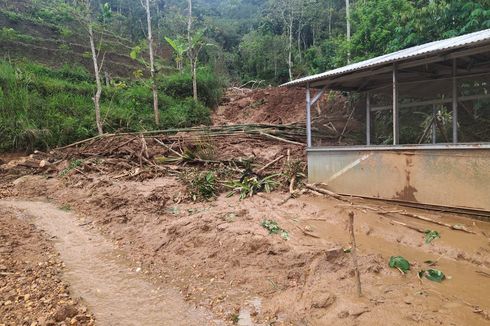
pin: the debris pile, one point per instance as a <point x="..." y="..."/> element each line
<point x="332" y="117"/>
<point x="244" y="159"/>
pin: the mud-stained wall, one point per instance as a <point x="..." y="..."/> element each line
<point x="454" y="177"/>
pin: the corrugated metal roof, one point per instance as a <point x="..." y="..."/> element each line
<point x="416" y="51"/>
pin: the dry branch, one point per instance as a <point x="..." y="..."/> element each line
<point x="326" y="192"/>
<point x="270" y="163"/>
<point x="354" y="253"/>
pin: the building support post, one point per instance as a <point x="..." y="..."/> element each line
<point x="368" y="119"/>
<point x="308" y="116"/>
<point x="396" y="109"/>
<point x="455" y="105"/>
<point x="434" y="130"/>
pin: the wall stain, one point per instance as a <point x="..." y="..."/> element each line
<point x="408" y="192"/>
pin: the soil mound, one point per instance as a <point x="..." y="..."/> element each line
<point x="269" y="105"/>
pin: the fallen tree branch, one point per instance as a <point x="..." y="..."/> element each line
<point x="427" y="219"/>
<point x="168" y="147"/>
<point x="270" y="163"/>
<point x="326" y="192"/>
<point x="354" y="253"/>
<point x="281" y="139"/>
<point x="306" y="232"/>
<point x="409" y="226"/>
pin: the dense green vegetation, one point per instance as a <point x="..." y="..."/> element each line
<point x="49" y="102"/>
<point x="43" y="107"/>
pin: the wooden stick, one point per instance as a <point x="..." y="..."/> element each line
<point x="354" y="252"/>
<point x="270" y="163"/>
<point x="168" y="147"/>
<point x="306" y="232"/>
<point x="427" y="219"/>
<point x="326" y="192"/>
<point x="346" y="124"/>
<point x="409" y="226"/>
<point x="281" y="139"/>
<point x="291" y="184"/>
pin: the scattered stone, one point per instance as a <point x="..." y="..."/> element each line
<point x="64" y="312"/>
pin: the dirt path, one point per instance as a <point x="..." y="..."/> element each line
<point x="115" y="292"/>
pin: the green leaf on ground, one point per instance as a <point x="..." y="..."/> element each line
<point x="274" y="228"/>
<point x="431" y="235"/>
<point x="433" y="275"/>
<point x="399" y="262"/>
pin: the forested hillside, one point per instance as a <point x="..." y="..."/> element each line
<point x="48" y="87"/>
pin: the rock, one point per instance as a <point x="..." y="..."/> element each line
<point x="323" y="300"/>
<point x="65" y="311"/>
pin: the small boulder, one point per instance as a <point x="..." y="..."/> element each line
<point x="65" y="311"/>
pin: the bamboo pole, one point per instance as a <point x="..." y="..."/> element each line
<point x="354" y="253"/>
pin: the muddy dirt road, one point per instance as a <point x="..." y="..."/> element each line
<point x="117" y="293"/>
<point x="32" y="288"/>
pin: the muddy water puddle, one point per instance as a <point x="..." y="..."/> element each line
<point x="468" y="282"/>
<point x="116" y="293"/>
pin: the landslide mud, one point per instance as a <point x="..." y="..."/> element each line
<point x="221" y="258"/>
<point x="116" y="292"/>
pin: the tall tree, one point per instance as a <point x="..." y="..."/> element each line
<point x="192" y="53"/>
<point x="156" y="112"/>
<point x="84" y="14"/>
<point x="286" y="11"/>
<point x="347" y="20"/>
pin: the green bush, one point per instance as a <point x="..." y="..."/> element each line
<point x="186" y="113"/>
<point x="179" y="85"/>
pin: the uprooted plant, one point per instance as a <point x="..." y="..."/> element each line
<point x="294" y="173"/>
<point x="251" y="184"/>
<point x="431" y="235"/>
<point x="200" y="185"/>
<point x="274" y="228"/>
<point x="73" y="165"/>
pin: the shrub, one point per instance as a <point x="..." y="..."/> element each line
<point x="185" y="113"/>
<point x="179" y="85"/>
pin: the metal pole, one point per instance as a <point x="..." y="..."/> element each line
<point x="396" y="109"/>
<point x="455" y="105"/>
<point x="434" y="136"/>
<point x="308" y="116"/>
<point x="368" y="119"/>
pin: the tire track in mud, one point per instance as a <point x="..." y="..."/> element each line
<point x="115" y="293"/>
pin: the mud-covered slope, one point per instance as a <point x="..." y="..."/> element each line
<point x="332" y="118"/>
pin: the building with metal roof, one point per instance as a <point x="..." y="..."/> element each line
<point x="427" y="125"/>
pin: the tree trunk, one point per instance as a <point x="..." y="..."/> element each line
<point x="330" y="12"/>
<point x="152" y="65"/>
<point x="98" y="93"/>
<point x="290" y="50"/>
<point x="194" y="79"/>
<point x="299" y="41"/>
<point x="347" y="17"/>
<point x="192" y="54"/>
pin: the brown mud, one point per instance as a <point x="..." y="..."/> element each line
<point x="115" y="292"/>
<point x="221" y="258"/>
<point x="132" y="196"/>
